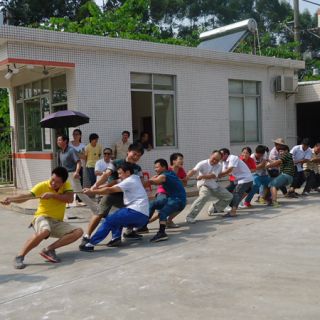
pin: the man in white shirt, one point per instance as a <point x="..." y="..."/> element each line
<point x="312" y="170"/>
<point x="243" y="178"/>
<point x="104" y="164"/>
<point x="134" y="214"/>
<point x="208" y="171"/>
<point x="301" y="154"/>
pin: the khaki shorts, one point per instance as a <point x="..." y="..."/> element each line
<point x="56" y="228"/>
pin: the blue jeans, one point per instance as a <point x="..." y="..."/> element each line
<point x="258" y="181"/>
<point x="91" y="175"/>
<point x="281" y="180"/>
<point x="159" y="201"/>
<point x="169" y="207"/>
<point x="124" y="217"/>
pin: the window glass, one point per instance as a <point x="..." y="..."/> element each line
<point x="36" y="88"/>
<point x="28" y="91"/>
<point x="20" y="127"/>
<point x="19" y="93"/>
<point x="163" y="82"/>
<point x="250" y="87"/>
<point x="141" y="81"/>
<point x="235" y="86"/>
<point x="164" y="120"/>
<point x="46" y="132"/>
<point x="236" y="119"/>
<point x="33" y="130"/>
<point x="251" y="119"/>
<point x="59" y="89"/>
<point x="45" y="85"/>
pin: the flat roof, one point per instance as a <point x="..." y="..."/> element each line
<point x="91" y="42"/>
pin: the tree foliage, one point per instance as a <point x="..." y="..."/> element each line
<point x="4" y="123"/>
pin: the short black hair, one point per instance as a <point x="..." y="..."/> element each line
<point x="175" y="156"/>
<point x="248" y="149"/>
<point x="138" y="147"/>
<point x="224" y="151"/>
<point x="217" y="151"/>
<point x="106" y="149"/>
<point x="93" y="136"/>
<point x="60" y="172"/>
<point x="163" y="163"/>
<point x="306" y="142"/>
<point x="261" y="149"/>
<point x="127" y="166"/>
<point x="125" y="131"/>
<point x="64" y="137"/>
<point x="79" y="131"/>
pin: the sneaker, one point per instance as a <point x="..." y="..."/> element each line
<point x="275" y="204"/>
<point x="84" y="241"/>
<point x="87" y="248"/>
<point x="305" y="193"/>
<point x="50" y="255"/>
<point x="114" y="242"/>
<point x="245" y="205"/>
<point x="18" y="262"/>
<point x="160" y="236"/>
<point x="190" y="220"/>
<point x="262" y="201"/>
<point x="291" y="195"/>
<point x="212" y="210"/>
<point x="227" y="209"/>
<point x="132" y="236"/>
<point x="143" y="229"/>
<point x="172" y="225"/>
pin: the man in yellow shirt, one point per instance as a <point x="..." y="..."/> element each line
<point x="48" y="219"/>
<point x="93" y="151"/>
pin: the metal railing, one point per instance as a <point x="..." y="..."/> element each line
<point x="6" y="172"/>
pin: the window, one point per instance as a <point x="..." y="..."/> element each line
<point x="153" y="108"/>
<point x="32" y="104"/>
<point x="244" y="109"/>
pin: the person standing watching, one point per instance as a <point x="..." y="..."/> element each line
<point x="120" y="148"/>
<point x="93" y="153"/>
<point x="70" y="160"/>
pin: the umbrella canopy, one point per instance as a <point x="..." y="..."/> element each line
<point x="64" y="119"/>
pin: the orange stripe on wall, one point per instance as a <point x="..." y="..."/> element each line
<point x="37" y="156"/>
<point x="38" y="62"/>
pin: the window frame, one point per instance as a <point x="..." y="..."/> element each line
<point x="42" y="95"/>
<point x="155" y="92"/>
<point x="243" y="96"/>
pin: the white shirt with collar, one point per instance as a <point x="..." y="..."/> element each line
<point x="240" y="171"/>
<point x="299" y="154"/>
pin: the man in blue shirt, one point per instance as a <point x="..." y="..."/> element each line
<point x="176" y="196"/>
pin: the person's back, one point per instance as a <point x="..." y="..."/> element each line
<point x="174" y="186"/>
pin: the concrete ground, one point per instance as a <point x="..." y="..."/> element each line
<point x="262" y="265"/>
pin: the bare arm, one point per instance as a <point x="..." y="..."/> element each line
<point x="226" y="172"/>
<point x="104" y="177"/>
<point x="261" y="165"/>
<point x="17" y="199"/>
<point x="102" y="191"/>
<point x="273" y="164"/>
<point x="65" y="197"/>
<point x="157" y="180"/>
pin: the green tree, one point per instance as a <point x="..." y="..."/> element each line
<point x="5" y="146"/>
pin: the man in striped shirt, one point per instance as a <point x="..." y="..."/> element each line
<point x="286" y="164"/>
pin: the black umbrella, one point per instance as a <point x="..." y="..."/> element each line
<point x="64" y="119"/>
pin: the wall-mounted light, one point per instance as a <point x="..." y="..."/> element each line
<point x="9" y="73"/>
<point x="45" y="71"/>
<point x="15" y="70"/>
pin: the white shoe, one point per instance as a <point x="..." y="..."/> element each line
<point x="241" y="205"/>
<point x="212" y="210"/>
<point x="227" y="209"/>
<point x="190" y="220"/>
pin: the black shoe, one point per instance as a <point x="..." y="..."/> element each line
<point x="132" y="236"/>
<point x="143" y="229"/>
<point x="160" y="236"/>
<point x="291" y="195"/>
<point x="86" y="248"/>
<point x="84" y="241"/>
<point x="114" y="242"/>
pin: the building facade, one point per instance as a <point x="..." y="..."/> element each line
<point x="189" y="100"/>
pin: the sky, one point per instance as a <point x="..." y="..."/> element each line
<point x="302" y="5"/>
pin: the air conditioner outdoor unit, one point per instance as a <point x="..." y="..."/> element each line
<point x="287" y="84"/>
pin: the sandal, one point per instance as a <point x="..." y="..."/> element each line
<point x="229" y="215"/>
